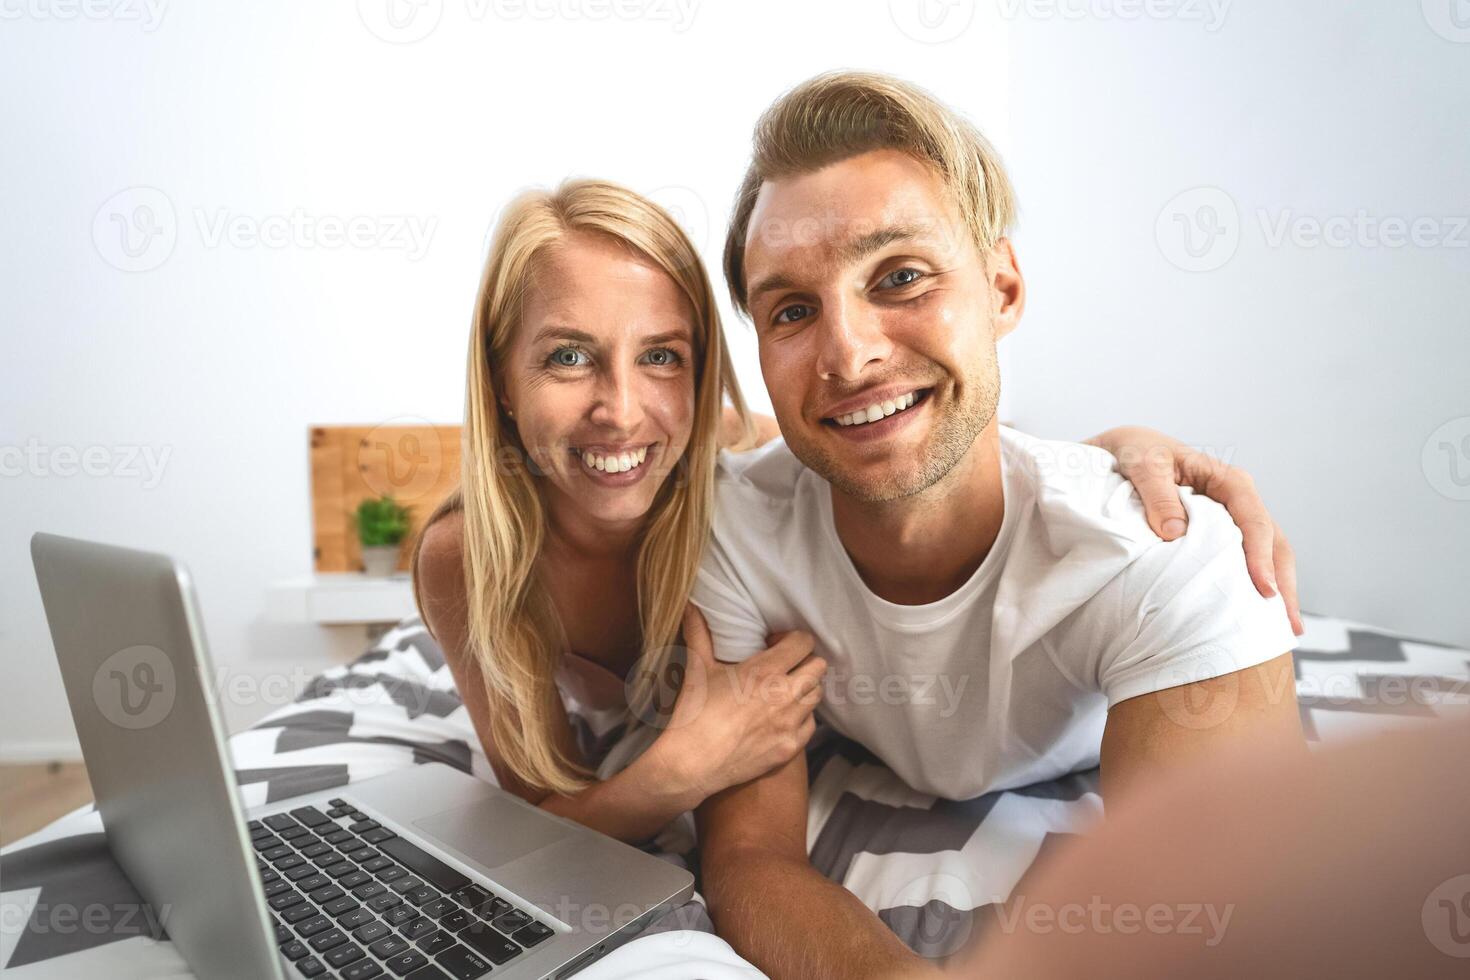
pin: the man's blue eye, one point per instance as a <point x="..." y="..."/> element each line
<point x="901" y="277"/>
<point x="568" y="357"/>
<point x="800" y="312"/>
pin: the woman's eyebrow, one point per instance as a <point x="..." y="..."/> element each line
<point x="667" y="336"/>
<point x="563" y="333"/>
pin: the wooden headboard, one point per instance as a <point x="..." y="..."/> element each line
<point x="417" y="465"/>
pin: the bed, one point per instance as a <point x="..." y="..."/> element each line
<point x="933" y="870"/>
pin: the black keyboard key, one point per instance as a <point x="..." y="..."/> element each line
<point x="337" y="802"/>
<point x="435" y="942"/>
<point x="532" y="934"/>
<point x="354" y="878"/>
<point x="405" y="963"/>
<point x="370" y="890"/>
<point x="283" y="935"/>
<point x="362" y="970"/>
<point x="357" y="917"/>
<point x="328" y="940"/>
<point x="343" y="955"/>
<point x="254" y="825"/>
<point x="384" y="902"/>
<point x="317" y="850"/>
<point x="422" y="863"/>
<point x="398" y="916"/>
<point x="278" y="822"/>
<point x="374" y="864"/>
<point x="416" y="928"/>
<point x="310" y="816"/>
<point x="294" y="950"/>
<point x="274" y="888"/>
<point x="388" y="946"/>
<point x="372" y="932"/>
<point x="327" y="862"/>
<point x="430" y="972"/>
<point x="378" y="835"/>
<point x="363" y="855"/>
<point x="340" y="870"/>
<point x="288" y="861"/>
<point x="285" y="901"/>
<point x="267" y="874"/>
<point x="492" y="908"/>
<point x="405" y="884"/>
<point x="471" y="895"/>
<point x="303" y="870"/>
<point x="363" y="825"/>
<point x="464" y="964"/>
<point x="456" y="920"/>
<point x="311" y="967"/>
<point x="439" y="907"/>
<point x="276" y="852"/>
<point x="310" y="927"/>
<point x="320" y="891"/>
<point x="303" y="911"/>
<point x="341" y="906"/>
<point x="338" y="811"/>
<point x="391" y="873"/>
<point x="421" y="895"/>
<point x="294" y="832"/>
<point x="488" y="943"/>
<point x="511" y="921"/>
<point x="339" y="837"/>
<point x="268" y="842"/>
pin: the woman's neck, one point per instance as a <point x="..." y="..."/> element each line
<point x="572" y="534"/>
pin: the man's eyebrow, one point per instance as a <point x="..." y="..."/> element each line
<point x="865" y="245"/>
<point x="847" y="253"/>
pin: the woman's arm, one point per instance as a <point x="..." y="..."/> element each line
<point x="1157" y="464"/>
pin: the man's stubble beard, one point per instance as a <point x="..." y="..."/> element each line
<point x="951" y="438"/>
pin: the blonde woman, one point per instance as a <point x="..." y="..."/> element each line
<point x="596" y="406"/>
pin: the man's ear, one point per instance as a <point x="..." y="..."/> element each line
<point x="1007" y="288"/>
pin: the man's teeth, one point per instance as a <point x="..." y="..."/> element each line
<point x="615" y="462"/>
<point x="878" y="410"/>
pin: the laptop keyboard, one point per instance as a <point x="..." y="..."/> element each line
<point x="351" y="899"/>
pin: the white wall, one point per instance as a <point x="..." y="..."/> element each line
<point x="217" y="355"/>
<point x="1337" y="375"/>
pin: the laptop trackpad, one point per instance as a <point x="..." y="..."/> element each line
<point x="493" y="832"/>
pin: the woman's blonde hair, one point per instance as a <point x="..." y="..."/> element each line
<point x="838" y="115"/>
<point x="514" y="633"/>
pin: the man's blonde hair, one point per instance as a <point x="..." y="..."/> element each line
<point x="839" y="115"/>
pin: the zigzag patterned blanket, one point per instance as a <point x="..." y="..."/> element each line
<point x="934" y="870"/>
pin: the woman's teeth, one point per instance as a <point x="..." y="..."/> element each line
<point x="615" y="462"/>
<point x="878" y="410"/>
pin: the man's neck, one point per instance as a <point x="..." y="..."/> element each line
<point x="919" y="549"/>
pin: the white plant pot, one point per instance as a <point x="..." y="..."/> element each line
<point x="380" y="561"/>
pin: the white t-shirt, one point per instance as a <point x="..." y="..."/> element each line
<point x="1007" y="680"/>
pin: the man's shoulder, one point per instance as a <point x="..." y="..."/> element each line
<point x="763" y="492"/>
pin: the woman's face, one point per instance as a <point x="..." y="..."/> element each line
<point x="599" y="378"/>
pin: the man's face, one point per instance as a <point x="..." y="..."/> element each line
<point x="877" y="319"/>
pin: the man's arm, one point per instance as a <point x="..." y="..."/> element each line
<point x="753" y="847"/>
<point x="1183" y="725"/>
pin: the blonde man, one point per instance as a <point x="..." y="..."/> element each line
<point x="994" y="608"/>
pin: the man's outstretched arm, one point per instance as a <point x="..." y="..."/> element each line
<point x="1188" y="724"/>
<point x="768" y="901"/>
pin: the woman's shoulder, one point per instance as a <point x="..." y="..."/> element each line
<point x="438" y="569"/>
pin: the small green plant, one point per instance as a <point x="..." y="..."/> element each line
<point x="381" y="522"/>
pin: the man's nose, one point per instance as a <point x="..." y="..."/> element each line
<point x="618" y="404"/>
<point x="853" y="340"/>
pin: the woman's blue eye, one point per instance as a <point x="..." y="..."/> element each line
<point x="568" y="357"/>
<point x="797" y="311"/>
<point x="662" y="357"/>
<point x="901" y="277"/>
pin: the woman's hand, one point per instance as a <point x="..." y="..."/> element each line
<point x="734" y="722"/>
<point x="1156" y="464"/>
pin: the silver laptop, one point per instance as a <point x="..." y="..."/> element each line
<point x="425" y="873"/>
